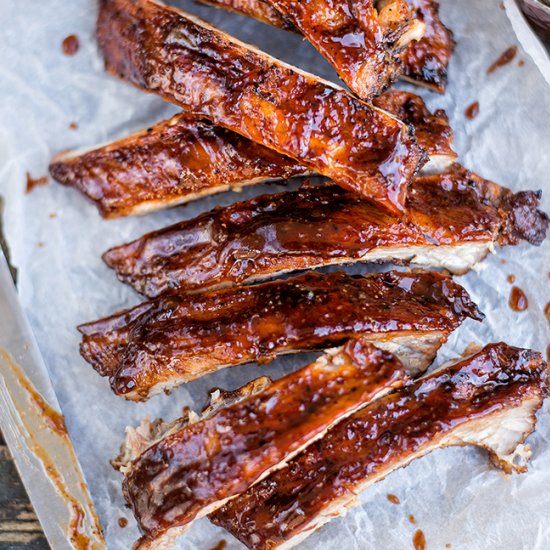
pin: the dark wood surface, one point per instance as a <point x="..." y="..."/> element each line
<point x="19" y="528"/>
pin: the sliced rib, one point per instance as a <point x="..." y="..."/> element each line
<point x="187" y="157"/>
<point x="182" y="471"/>
<point x="453" y="220"/>
<point x="424" y="61"/>
<point x="488" y="400"/>
<point x="205" y="71"/>
<point x="179" y="337"/>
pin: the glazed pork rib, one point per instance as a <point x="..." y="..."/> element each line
<point x="196" y="66"/>
<point x="180" y="337"/>
<point x="187" y="157"/>
<point x="182" y="471"/>
<point x="423" y="62"/>
<point x="453" y="220"/>
<point x="488" y="400"/>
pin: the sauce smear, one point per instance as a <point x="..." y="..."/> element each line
<point x="547" y="311"/>
<point x="419" y="540"/>
<point x="394" y="499"/>
<point x="35" y="182"/>
<point x="412" y="519"/>
<point x="504" y="59"/>
<point x="220" y="546"/>
<point x="70" y="45"/>
<point x="511" y="279"/>
<point x="472" y="110"/>
<point x="518" y="301"/>
<point x="122" y="522"/>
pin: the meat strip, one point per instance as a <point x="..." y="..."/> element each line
<point x="453" y="220"/>
<point x="196" y="66"/>
<point x="192" y="469"/>
<point x="488" y="400"/>
<point x="423" y="62"/>
<point x="187" y="157"/>
<point x="180" y="337"/>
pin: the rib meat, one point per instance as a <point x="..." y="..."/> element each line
<point x="424" y="62"/>
<point x="187" y="157"/>
<point x="194" y="468"/>
<point x="488" y="400"/>
<point x="453" y="220"/>
<point x="198" y="67"/>
<point x="179" y="337"/>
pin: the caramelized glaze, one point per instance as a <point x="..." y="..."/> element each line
<point x="361" y="42"/>
<point x="380" y="438"/>
<point x="424" y="62"/>
<point x="179" y="337"/>
<point x="197" y="467"/>
<point x="186" y="157"/>
<point x="324" y="225"/>
<point x="205" y="71"/>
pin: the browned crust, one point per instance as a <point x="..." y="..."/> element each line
<point x="383" y="437"/>
<point x="194" y="65"/>
<point x="180" y="337"/>
<point x="324" y="225"/>
<point x="187" y="157"/>
<point x="198" y="467"/>
<point x="424" y="62"/>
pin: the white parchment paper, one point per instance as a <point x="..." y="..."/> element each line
<point x="57" y="238"/>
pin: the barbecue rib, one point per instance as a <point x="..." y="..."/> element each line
<point x="424" y="61"/>
<point x="179" y="337"/>
<point x="184" y="471"/>
<point x="453" y="220"/>
<point x="186" y="157"/>
<point x="198" y="67"/>
<point x="488" y="400"/>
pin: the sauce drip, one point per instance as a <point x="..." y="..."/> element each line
<point x="73" y="125"/>
<point x="504" y="59"/>
<point x="122" y="522"/>
<point x="548" y="353"/>
<point x="472" y="110"/>
<point x="518" y="301"/>
<point x="70" y="45"/>
<point x="35" y="182"/>
<point x="412" y="519"/>
<point x="419" y="540"/>
<point x="220" y="546"/>
<point x="547" y="311"/>
<point x="511" y="279"/>
<point x="394" y="499"/>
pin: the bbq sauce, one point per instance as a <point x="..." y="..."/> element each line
<point x="70" y="45"/>
<point x="412" y="519"/>
<point x="547" y="311"/>
<point x="122" y="522"/>
<point x="419" y="540"/>
<point x="35" y="182"/>
<point x="518" y="301"/>
<point x="394" y="499"/>
<point x="472" y="110"/>
<point x="220" y="546"/>
<point x="511" y="279"/>
<point x="506" y="58"/>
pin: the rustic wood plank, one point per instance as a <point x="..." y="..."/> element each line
<point x="19" y="527"/>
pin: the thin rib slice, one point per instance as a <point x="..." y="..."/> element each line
<point x="453" y="220"/>
<point x="196" y="66"/>
<point x="488" y="400"/>
<point x="360" y="39"/>
<point x="179" y="337"/>
<point x="192" y="469"/>
<point x="424" y="61"/>
<point x="187" y="157"/>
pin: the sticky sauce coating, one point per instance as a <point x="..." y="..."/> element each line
<point x="180" y="337"/>
<point x="200" y="465"/>
<point x="201" y="69"/>
<point x="381" y="437"/>
<point x="323" y="225"/>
